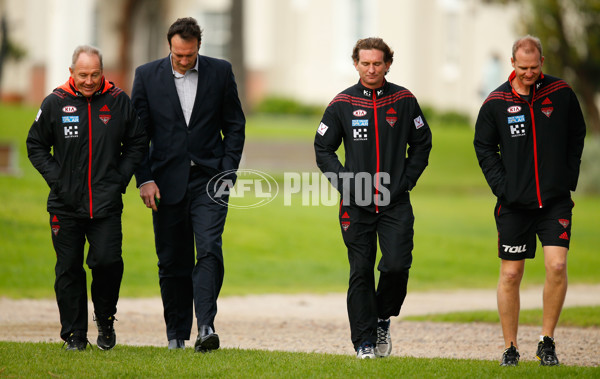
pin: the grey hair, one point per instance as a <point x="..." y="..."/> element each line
<point x="90" y="50"/>
<point x="527" y="43"/>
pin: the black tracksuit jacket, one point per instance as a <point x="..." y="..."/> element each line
<point x="383" y="130"/>
<point x="530" y="152"/>
<point x="96" y="145"/>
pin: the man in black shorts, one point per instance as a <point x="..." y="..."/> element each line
<point x="529" y="140"/>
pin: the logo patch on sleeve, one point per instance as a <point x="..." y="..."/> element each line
<point x="419" y="122"/>
<point x="322" y="129"/>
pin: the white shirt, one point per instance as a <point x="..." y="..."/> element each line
<point x="187" y="86"/>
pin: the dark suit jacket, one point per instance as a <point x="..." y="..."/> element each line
<point x="214" y="138"/>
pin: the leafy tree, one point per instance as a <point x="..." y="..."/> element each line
<point x="8" y="49"/>
<point x="570" y="35"/>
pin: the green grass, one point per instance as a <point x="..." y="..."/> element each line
<point x="285" y="249"/>
<point x="291" y="249"/>
<point x="263" y="127"/>
<point x="582" y="317"/>
<point x="36" y="360"/>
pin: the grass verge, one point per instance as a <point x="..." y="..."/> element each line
<point x="583" y="317"/>
<point x="43" y="360"/>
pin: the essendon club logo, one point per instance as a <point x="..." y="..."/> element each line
<point x="563" y="222"/>
<point x="55" y="227"/>
<point x="391" y="117"/>
<point x="105" y="118"/>
<point x="547" y="111"/>
<point x="345" y="225"/>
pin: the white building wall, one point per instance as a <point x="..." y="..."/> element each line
<point x="259" y="38"/>
<point x="49" y="31"/>
<point x="70" y="24"/>
<point x="294" y="48"/>
<point x="442" y="47"/>
<point x="26" y="23"/>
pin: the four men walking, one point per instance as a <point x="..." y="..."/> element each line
<point x="89" y="137"/>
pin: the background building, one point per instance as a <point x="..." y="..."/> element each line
<point x="300" y="49"/>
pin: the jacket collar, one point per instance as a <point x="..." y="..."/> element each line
<point x="379" y="92"/>
<point x="538" y="83"/>
<point x="69" y="87"/>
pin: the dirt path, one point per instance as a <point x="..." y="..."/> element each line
<point x="318" y="323"/>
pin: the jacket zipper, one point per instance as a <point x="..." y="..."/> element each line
<point x="90" y="155"/>
<point x="535" y="152"/>
<point x="377" y="150"/>
<point x="535" y="156"/>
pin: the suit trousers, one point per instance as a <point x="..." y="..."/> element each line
<point x="360" y="230"/>
<point x="104" y="259"/>
<point x="187" y="282"/>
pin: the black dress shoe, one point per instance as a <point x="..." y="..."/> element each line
<point x="207" y="340"/>
<point x="176" y="344"/>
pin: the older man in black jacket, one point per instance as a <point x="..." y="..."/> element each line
<point x="97" y="142"/>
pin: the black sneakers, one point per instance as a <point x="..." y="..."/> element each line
<point x="383" y="348"/>
<point x="76" y="342"/>
<point x="510" y="357"/>
<point x="207" y="340"/>
<point x="107" y="338"/>
<point x="546" y="353"/>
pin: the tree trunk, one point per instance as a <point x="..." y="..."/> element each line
<point x="3" y="44"/>
<point x="126" y="37"/>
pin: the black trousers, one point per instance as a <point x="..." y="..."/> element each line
<point x="104" y="259"/>
<point x="187" y="282"/>
<point x="360" y="230"/>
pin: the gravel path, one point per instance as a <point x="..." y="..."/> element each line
<point x="318" y="323"/>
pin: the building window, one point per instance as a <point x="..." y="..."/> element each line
<point x="216" y="34"/>
<point x="451" y="27"/>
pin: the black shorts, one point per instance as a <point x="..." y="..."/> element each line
<point x="517" y="228"/>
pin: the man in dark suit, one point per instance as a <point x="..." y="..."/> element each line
<point x="190" y="108"/>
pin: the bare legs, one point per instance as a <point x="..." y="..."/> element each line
<point x="555" y="290"/>
<point x="555" y="287"/>
<point x="509" y="300"/>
